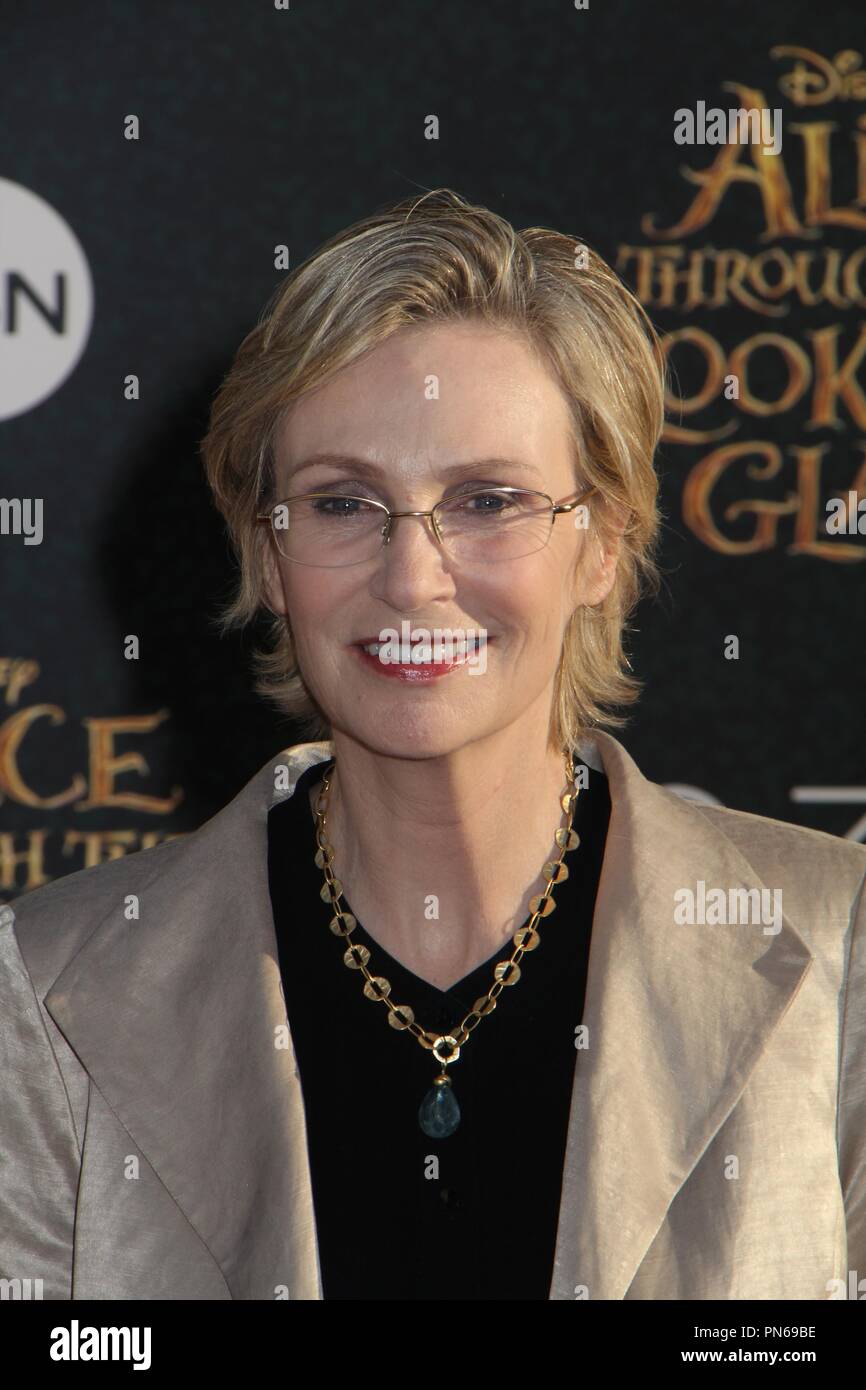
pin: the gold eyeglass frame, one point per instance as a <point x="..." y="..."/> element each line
<point x="556" y="508"/>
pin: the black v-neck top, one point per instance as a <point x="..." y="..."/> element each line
<point x="400" y="1215"/>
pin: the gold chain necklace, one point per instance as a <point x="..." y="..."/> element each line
<point x="439" y="1114"/>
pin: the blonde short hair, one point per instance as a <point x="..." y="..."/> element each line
<point x="439" y="259"/>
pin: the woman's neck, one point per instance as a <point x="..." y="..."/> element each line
<point x="439" y="857"/>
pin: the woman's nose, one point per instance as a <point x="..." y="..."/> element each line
<point x="400" y="523"/>
<point x="412" y="560"/>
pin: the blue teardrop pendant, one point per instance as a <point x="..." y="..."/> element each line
<point x="439" y="1114"/>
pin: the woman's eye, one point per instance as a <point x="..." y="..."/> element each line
<point x="485" y="502"/>
<point x="325" y="505"/>
<point x="340" y="506"/>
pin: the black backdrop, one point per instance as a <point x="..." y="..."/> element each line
<point x="261" y="126"/>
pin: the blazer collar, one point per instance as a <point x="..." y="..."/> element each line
<point x="179" y="1019"/>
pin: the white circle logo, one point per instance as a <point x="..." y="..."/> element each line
<point x="46" y="299"/>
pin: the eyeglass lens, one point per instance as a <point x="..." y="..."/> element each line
<point x="333" y="530"/>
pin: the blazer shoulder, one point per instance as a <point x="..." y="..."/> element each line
<point x="767" y="842"/>
<point x="53" y="922"/>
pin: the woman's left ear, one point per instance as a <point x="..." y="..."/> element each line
<point x="272" y="583"/>
<point x="607" y="553"/>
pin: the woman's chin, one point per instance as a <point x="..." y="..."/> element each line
<point x="399" y="732"/>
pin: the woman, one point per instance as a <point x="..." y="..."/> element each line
<point x="348" y="1039"/>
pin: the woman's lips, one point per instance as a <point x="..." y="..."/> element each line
<point x="415" y="671"/>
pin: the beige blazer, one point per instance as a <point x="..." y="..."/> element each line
<point x="154" y="1135"/>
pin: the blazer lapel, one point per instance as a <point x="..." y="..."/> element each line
<point x="179" y="1019"/>
<point x="677" y="1018"/>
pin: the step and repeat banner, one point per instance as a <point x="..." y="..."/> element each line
<point x="164" y="167"/>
